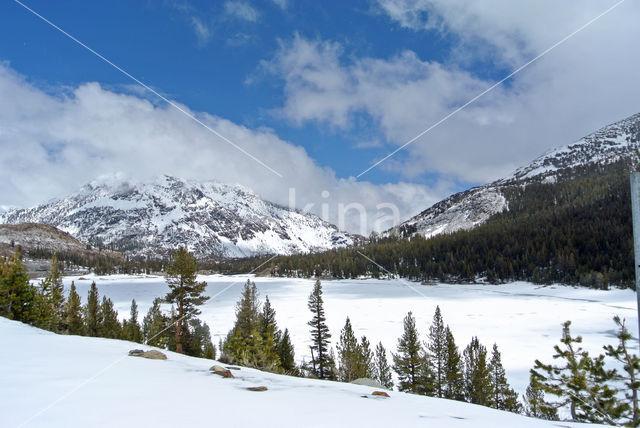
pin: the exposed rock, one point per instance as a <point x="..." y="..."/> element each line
<point x="380" y="393"/>
<point x="367" y="382"/>
<point x="257" y="388"/>
<point x="152" y="354"/>
<point x="221" y="371"/>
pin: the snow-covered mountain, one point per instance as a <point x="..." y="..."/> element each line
<point x="209" y="218"/>
<point x="465" y="210"/>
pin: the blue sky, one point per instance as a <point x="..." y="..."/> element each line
<point x="220" y="73"/>
<point x="319" y="90"/>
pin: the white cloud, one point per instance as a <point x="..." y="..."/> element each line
<point x="50" y="145"/>
<point x="241" y="10"/>
<point x="589" y="81"/>
<point x="202" y="30"/>
<point x="283" y="4"/>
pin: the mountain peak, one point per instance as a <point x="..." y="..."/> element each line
<point x="465" y="210"/>
<point x="156" y="216"/>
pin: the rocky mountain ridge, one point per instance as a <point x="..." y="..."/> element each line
<point x="465" y="210"/>
<point x="211" y="219"/>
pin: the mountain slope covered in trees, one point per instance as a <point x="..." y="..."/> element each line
<point x="566" y="217"/>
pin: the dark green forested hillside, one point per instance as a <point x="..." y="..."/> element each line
<point x="575" y="231"/>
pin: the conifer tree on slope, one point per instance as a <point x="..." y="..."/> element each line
<point x="244" y="340"/>
<point x="382" y="370"/>
<point x="348" y="354"/>
<point x="155" y="326"/>
<point x="410" y="362"/>
<point x="286" y="354"/>
<point x="50" y="299"/>
<point x="535" y="405"/>
<point x="631" y="367"/>
<point x="92" y="315"/>
<point x="454" y="369"/>
<point x="476" y="373"/>
<point x="269" y="357"/>
<point x="437" y="349"/>
<point x="365" y="360"/>
<point x="110" y="326"/>
<point x="57" y="288"/>
<point x="502" y="397"/>
<point x="131" y="328"/>
<point x="579" y="382"/>
<point x="185" y="292"/>
<point x="17" y="296"/>
<point x="321" y="361"/>
<point x="72" y="321"/>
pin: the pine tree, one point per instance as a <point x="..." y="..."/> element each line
<point x="580" y="382"/>
<point x="348" y="354"/>
<point x="155" y="326"/>
<point x="437" y="348"/>
<point x="244" y="341"/>
<point x="410" y="362"/>
<point x="321" y="361"/>
<point x="631" y="366"/>
<point x="197" y="342"/>
<point x="110" y="326"/>
<point x="131" y="328"/>
<point x="502" y="396"/>
<point x="365" y="359"/>
<point x="382" y="370"/>
<point x="286" y="354"/>
<point x="17" y="296"/>
<point x="454" y="369"/>
<point x="73" y="313"/>
<point x="268" y="320"/>
<point x="269" y="358"/>
<point x="185" y="292"/>
<point x="50" y="299"/>
<point x="57" y="289"/>
<point x="92" y="315"/>
<point x="535" y="405"/>
<point x="476" y="373"/>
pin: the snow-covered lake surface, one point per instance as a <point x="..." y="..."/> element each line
<point x="523" y="319"/>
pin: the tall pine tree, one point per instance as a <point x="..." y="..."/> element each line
<point x="73" y="313"/>
<point x="92" y="315"/>
<point x="131" y="328"/>
<point x="502" y="396"/>
<point x="437" y="348"/>
<point x="321" y="361"/>
<point x="410" y="362"/>
<point x="382" y="370"/>
<point x="454" y="370"/>
<point x="185" y="292"/>
<point x="476" y="373"/>
<point x="348" y="354"/>
<point x="155" y="326"/>
<point x="631" y="367"/>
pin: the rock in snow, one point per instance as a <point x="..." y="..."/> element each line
<point x="208" y="218"/>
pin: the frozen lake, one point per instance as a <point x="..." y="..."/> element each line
<point x="523" y="319"/>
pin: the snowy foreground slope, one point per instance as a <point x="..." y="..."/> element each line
<point x="522" y="318"/>
<point x="50" y="380"/>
